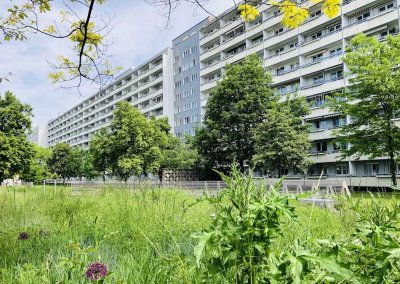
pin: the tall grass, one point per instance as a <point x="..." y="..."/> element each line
<point x="143" y="236"/>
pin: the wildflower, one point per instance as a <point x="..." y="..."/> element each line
<point x="23" y="236"/>
<point x="96" y="271"/>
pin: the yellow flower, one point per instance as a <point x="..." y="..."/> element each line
<point x="248" y="12"/>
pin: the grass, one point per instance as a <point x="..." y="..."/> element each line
<point x="143" y="236"/>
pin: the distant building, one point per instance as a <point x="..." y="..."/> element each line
<point x="187" y="109"/>
<point x="39" y="135"/>
<point x="148" y="87"/>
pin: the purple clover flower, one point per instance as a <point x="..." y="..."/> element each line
<point x="96" y="271"/>
<point x="23" y="236"/>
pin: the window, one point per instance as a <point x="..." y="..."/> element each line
<point x="282" y="90"/>
<point x="280" y="70"/>
<point x="293" y="45"/>
<point x="193" y="105"/>
<point x="317" y="57"/>
<point x="178" y="84"/>
<point x="385" y="7"/>
<point x="279" y="50"/>
<point x="178" y="71"/>
<point x="319" y="79"/>
<point x="334" y="28"/>
<point x="389" y="32"/>
<point x="186" y="80"/>
<point x="176" y="59"/>
<point x="339" y="121"/>
<point x="320" y="124"/>
<point x="317" y="101"/>
<point x="257" y="40"/>
<point x="193" y="63"/>
<point x="336" y="75"/>
<point x="322" y="146"/>
<point x="342" y="170"/>
<point x="315" y="14"/>
<point x="371" y="169"/>
<point x="278" y="31"/>
<point x="316" y="35"/>
<point x="186" y="53"/>
<point x="193" y="49"/>
<point x="364" y="16"/>
<point x="294" y="66"/>
<point x="335" y="51"/>
<point x="194" y="76"/>
<point x="186" y="120"/>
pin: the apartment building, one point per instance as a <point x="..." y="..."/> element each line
<point x="38" y="135"/>
<point x="148" y="87"/>
<point x="305" y="60"/>
<point x="187" y="82"/>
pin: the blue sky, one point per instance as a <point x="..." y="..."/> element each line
<point x="138" y="33"/>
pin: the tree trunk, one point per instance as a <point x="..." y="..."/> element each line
<point x="104" y="177"/>
<point x="392" y="168"/>
<point x="241" y="165"/>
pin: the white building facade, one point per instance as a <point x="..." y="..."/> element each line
<point x="148" y="87"/>
<point x="304" y="61"/>
<point x="38" y="135"/>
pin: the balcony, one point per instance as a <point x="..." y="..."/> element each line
<point x="276" y="39"/>
<point x="322" y="64"/>
<point x="320" y="134"/>
<point x="273" y="20"/>
<point x="254" y="29"/>
<point x="210" y="52"/>
<point x="315" y="22"/>
<point x="212" y="67"/>
<point x="324" y="157"/>
<point x="255" y="48"/>
<point x="327" y="39"/>
<point x="283" y="56"/>
<point x="349" y="6"/>
<point x="322" y="87"/>
<point x="209" y="85"/>
<point x="286" y="76"/>
<point x="370" y="23"/>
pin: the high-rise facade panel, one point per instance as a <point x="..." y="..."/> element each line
<point x="305" y="61"/>
<point x="148" y="87"/>
<point x="186" y="67"/>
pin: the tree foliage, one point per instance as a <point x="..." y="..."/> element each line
<point x="99" y="150"/>
<point x="372" y="101"/>
<point x="281" y="141"/>
<point x="237" y="106"/>
<point x="15" y="124"/>
<point x="65" y="161"/>
<point x="135" y="142"/>
<point x="38" y="169"/>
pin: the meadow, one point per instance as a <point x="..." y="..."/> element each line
<point x="142" y="236"/>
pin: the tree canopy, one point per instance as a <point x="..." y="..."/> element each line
<point x="237" y="106"/>
<point x="15" y="124"/>
<point x="281" y="141"/>
<point x="372" y="101"/>
<point x="65" y="161"/>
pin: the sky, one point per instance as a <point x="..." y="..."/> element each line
<point x="139" y="32"/>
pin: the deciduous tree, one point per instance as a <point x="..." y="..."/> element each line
<point x="281" y="141"/>
<point x="64" y="162"/>
<point x="372" y="101"/>
<point x="15" y="124"/>
<point x="237" y="106"/>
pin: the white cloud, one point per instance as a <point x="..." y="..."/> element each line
<point x="139" y="32"/>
